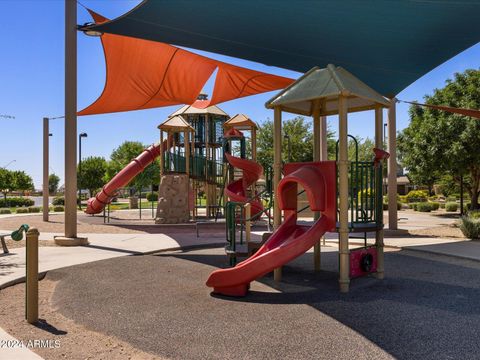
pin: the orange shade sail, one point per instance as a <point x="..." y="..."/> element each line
<point x="142" y="74"/>
<point x="461" y="111"/>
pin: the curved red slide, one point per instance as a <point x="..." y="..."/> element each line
<point x="96" y="204"/>
<point x="290" y="240"/>
<point x="237" y="190"/>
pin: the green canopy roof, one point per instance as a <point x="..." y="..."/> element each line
<point x="386" y="44"/>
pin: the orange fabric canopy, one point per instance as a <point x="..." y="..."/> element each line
<point x="466" y="112"/>
<point x="142" y="74"/>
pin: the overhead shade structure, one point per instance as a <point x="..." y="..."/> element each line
<point x="240" y="122"/>
<point x="176" y="123"/>
<point x="387" y="44"/>
<point x="322" y="87"/>
<point x="145" y="74"/>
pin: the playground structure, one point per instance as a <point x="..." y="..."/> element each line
<point x="193" y="147"/>
<point x="345" y="195"/>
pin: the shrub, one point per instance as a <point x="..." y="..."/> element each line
<point x="451" y="206"/>
<point x="58" y="208"/>
<point x="22" y="210"/>
<point x="434" y="205"/>
<point x="412" y="205"/>
<point x="385" y="206"/>
<point x="152" y="196"/>
<point x="451" y="198"/>
<point x="474" y="214"/>
<point x="16" y="202"/>
<point x="423" y="207"/>
<point x="34" y="209"/>
<point x="442" y="205"/>
<point x="470" y="227"/>
<point x="417" y="196"/>
<point x="399" y="205"/>
<point x="402" y="198"/>
<point x="5" y="211"/>
<point x="58" y="200"/>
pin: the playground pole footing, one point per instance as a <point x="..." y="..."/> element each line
<point x="70" y="241"/>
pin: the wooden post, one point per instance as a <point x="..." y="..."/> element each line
<point x="277" y="175"/>
<point x="207" y="158"/>
<point x="162" y="156"/>
<point x="323" y="139"/>
<point x="31" y="303"/>
<point x="344" y="278"/>
<point x="316" y="157"/>
<point x="379" y="187"/>
<point x="254" y="143"/>
<point x="392" y="166"/>
<point x="186" y="146"/>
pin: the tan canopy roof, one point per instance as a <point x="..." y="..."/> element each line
<point x="323" y="87"/>
<point x="191" y="110"/>
<point x="176" y="124"/>
<point x="241" y="122"/>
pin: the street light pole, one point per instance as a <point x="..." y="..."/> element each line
<point x="46" y="135"/>
<point x="80" y="136"/>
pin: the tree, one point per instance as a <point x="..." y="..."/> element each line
<point x="300" y="136"/>
<point x="122" y="156"/>
<point x="7" y="182"/>
<point x="23" y="182"/>
<point x="92" y="175"/>
<point x="438" y="143"/>
<point x="53" y="181"/>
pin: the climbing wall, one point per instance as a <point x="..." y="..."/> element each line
<point x="173" y="205"/>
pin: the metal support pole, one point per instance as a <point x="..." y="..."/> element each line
<point x="31" y="283"/>
<point x="344" y="278"/>
<point x="70" y="118"/>
<point x="316" y="157"/>
<point x="70" y="238"/>
<point x="46" y="137"/>
<point x="392" y="166"/>
<point x="379" y="187"/>
<point x="277" y="175"/>
<point x="461" y="196"/>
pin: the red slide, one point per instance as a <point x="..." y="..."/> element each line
<point x="237" y="190"/>
<point x="290" y="240"/>
<point x="96" y="204"/>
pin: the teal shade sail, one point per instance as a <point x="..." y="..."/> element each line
<point x="388" y="44"/>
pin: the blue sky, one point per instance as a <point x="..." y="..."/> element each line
<point x="32" y="75"/>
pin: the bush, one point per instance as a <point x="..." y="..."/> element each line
<point x="58" y="208"/>
<point x="22" y="210"/>
<point x="434" y="205"/>
<point x="385" y="206"/>
<point x="16" y="202"/>
<point x="399" y="205"/>
<point x="5" y="211"/>
<point x="474" y="214"/>
<point x="470" y="227"/>
<point x="34" y="209"/>
<point x="412" y="206"/>
<point x="451" y="206"/>
<point x="442" y="205"/>
<point x="152" y="196"/>
<point x="424" y="207"/>
<point x="451" y="198"/>
<point x="402" y="198"/>
<point x="417" y="196"/>
<point x="58" y="200"/>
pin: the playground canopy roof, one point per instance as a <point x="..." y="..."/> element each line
<point x="176" y="124"/>
<point x="387" y="44"/>
<point x="240" y="122"/>
<point x="325" y="86"/>
<point x="192" y="110"/>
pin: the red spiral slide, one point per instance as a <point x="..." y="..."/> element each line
<point x="237" y="190"/>
<point x="96" y="204"/>
<point x="290" y="240"/>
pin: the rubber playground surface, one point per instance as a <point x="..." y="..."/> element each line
<point x="159" y="304"/>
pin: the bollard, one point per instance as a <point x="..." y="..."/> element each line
<point x="31" y="294"/>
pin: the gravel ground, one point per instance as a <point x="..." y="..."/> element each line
<point x="427" y="308"/>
